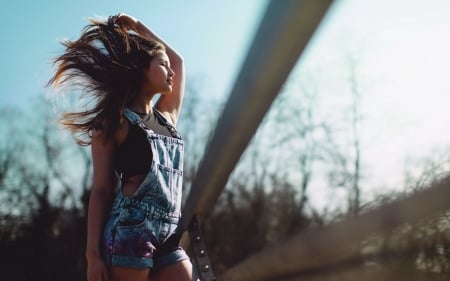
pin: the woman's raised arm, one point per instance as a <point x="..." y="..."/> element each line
<point x="168" y="104"/>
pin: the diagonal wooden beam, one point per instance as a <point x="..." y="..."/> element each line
<point x="285" y="30"/>
<point x="338" y="243"/>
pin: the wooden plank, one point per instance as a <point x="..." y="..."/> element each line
<point x="339" y="242"/>
<point x="389" y="270"/>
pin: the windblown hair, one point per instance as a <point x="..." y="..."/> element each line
<point x="107" y="63"/>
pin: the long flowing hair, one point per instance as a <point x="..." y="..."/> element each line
<point x="107" y="64"/>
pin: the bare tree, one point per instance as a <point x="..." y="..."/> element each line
<point x="38" y="163"/>
<point x="355" y="196"/>
<point x="344" y="139"/>
<point x="299" y="139"/>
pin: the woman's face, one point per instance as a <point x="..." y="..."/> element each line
<point x="158" y="78"/>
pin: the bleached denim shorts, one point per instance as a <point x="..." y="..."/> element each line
<point x="137" y="237"/>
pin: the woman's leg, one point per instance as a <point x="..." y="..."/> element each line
<point x="180" y="271"/>
<point x="118" y="273"/>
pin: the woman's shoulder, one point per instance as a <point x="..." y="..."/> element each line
<point x="99" y="133"/>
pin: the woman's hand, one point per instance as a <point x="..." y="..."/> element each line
<point x="96" y="270"/>
<point x="127" y="22"/>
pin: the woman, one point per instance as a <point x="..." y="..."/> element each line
<point x="121" y="65"/>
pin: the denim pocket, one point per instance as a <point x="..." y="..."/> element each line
<point x="135" y="240"/>
<point x="169" y="185"/>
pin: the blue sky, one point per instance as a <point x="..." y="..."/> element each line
<point x="405" y="39"/>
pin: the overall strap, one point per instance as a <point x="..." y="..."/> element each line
<point x="131" y="116"/>
<point x="135" y="119"/>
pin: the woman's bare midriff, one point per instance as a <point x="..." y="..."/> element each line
<point x="131" y="184"/>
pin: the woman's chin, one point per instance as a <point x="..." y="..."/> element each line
<point x="166" y="91"/>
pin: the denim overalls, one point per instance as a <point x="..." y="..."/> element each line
<point x="139" y="225"/>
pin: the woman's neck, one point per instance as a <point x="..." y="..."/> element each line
<point x="142" y="106"/>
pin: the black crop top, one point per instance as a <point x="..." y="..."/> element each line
<point x="134" y="155"/>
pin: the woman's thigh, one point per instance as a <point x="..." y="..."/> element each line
<point x="118" y="273"/>
<point x="180" y="271"/>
